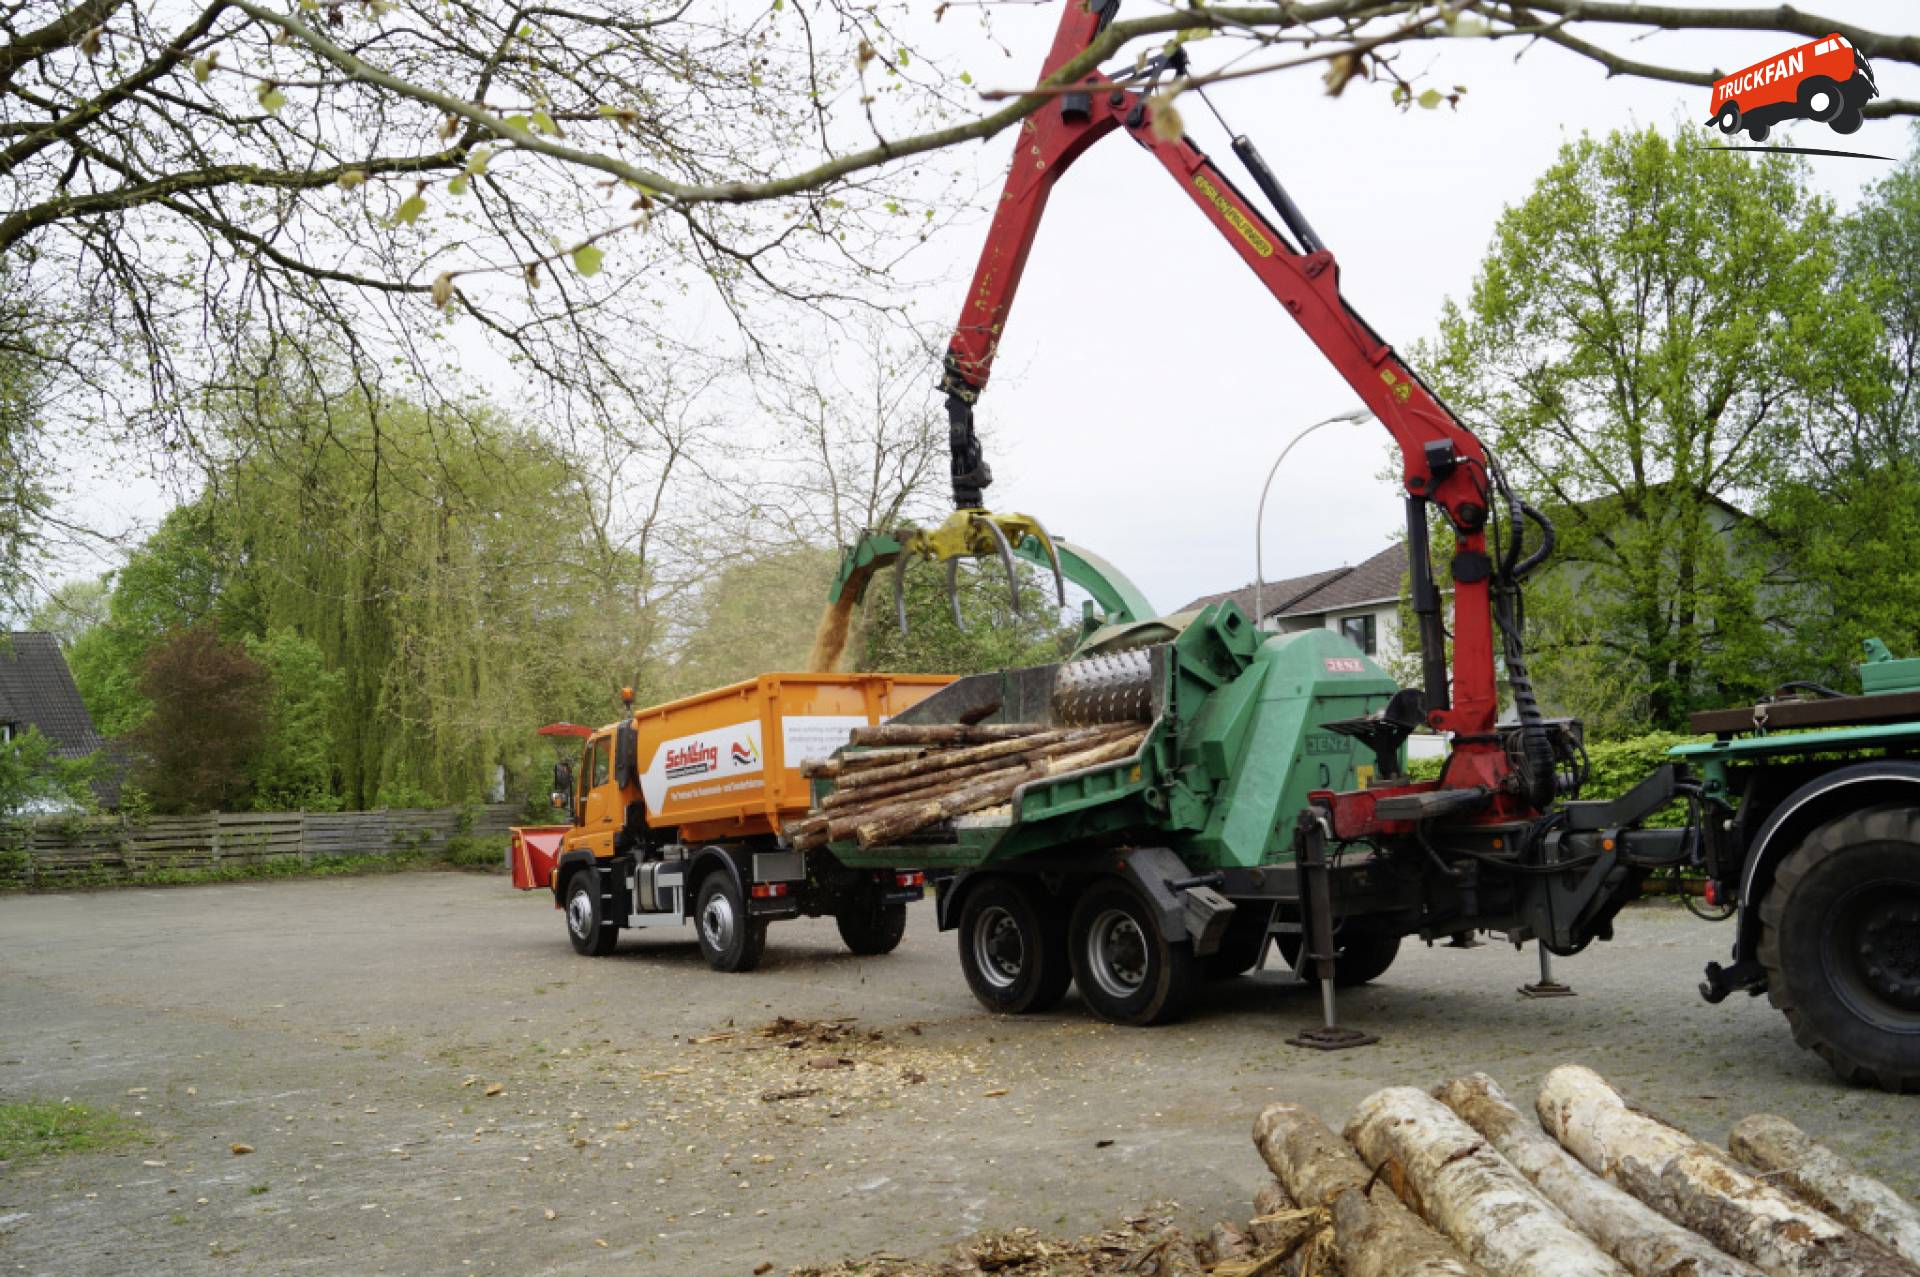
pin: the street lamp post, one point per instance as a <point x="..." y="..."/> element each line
<point x="1352" y="417"/>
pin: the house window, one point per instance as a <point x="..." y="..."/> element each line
<point x="1360" y="631"/>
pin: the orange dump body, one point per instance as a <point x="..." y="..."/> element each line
<point x="725" y="764"/>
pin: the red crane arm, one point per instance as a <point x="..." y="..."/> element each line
<point x="1442" y="461"/>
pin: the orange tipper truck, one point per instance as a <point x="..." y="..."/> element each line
<point x="677" y="813"/>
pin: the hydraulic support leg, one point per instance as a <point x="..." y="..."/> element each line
<point x="1310" y="843"/>
<point x="1547" y="986"/>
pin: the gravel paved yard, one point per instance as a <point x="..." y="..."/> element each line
<point x="351" y="1030"/>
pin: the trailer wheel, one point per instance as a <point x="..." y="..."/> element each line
<point x="730" y="938"/>
<point x="588" y="927"/>
<point x="1848" y="120"/>
<point x="1127" y="969"/>
<point x="871" y="930"/>
<point x="1363" y="952"/>
<point x="1729" y="119"/>
<point x="1840" y="939"/>
<point x="1013" y="948"/>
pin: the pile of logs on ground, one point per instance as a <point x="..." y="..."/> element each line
<point x="1460" y="1182"/>
<point x="905" y="777"/>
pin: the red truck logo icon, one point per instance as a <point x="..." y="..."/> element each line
<point x="1827" y="81"/>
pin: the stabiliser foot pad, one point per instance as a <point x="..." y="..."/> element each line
<point x="1332" y="1038"/>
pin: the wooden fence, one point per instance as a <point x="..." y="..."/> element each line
<point x="45" y="852"/>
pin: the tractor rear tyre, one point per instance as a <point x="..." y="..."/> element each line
<point x="1013" y="947"/>
<point x="731" y="939"/>
<point x="872" y="929"/>
<point x="588" y="926"/>
<point x="1362" y="953"/>
<point x="1127" y="969"/>
<point x="1840" y="941"/>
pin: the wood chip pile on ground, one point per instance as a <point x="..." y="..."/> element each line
<point x="905" y="777"/>
<point x="1458" y="1182"/>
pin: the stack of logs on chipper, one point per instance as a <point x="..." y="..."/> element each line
<point x="905" y="777"/>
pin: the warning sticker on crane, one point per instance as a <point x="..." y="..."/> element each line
<point x="715" y="754"/>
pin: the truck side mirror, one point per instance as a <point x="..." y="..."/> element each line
<point x="557" y="799"/>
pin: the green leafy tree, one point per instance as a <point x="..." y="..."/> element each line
<point x="293" y="768"/>
<point x="33" y="775"/>
<point x="1646" y="337"/>
<point x="72" y="609"/>
<point x="178" y="578"/>
<point x="1850" y="511"/>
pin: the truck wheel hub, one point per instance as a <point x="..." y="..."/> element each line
<point x="1889" y="952"/>
<point x="1118" y="957"/>
<point x="580" y="913"/>
<point x="716" y="922"/>
<point x="999" y="950"/>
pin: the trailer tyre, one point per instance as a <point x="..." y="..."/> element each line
<point x="873" y="929"/>
<point x="588" y="926"/>
<point x="1013" y="948"/>
<point x="731" y="939"/>
<point x="1729" y="119"/>
<point x="1127" y="969"/>
<point x="1840" y="941"/>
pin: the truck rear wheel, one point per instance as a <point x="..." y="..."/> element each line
<point x="730" y="938"/>
<point x="872" y="929"/>
<point x="1013" y="948"/>
<point x="1840" y="940"/>
<point x="1127" y="969"/>
<point x="588" y="926"/>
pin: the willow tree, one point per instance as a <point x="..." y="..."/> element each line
<point x="441" y="568"/>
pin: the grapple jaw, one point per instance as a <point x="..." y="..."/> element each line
<point x="966" y="534"/>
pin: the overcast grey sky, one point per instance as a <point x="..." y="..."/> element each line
<point x="1146" y="380"/>
<point x="1143" y="428"/>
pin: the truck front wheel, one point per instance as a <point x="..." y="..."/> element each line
<point x="872" y="929"/>
<point x="588" y="926"/>
<point x="1840" y="940"/>
<point x="1013" y="948"/>
<point x="1127" y="969"/>
<point x="730" y="938"/>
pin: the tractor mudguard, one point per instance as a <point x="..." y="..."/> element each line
<point x="1820" y="800"/>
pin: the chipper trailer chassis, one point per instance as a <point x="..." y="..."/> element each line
<point x="675" y="816"/>
<point x="1267" y="798"/>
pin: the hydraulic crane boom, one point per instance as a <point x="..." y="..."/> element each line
<point x="1442" y="462"/>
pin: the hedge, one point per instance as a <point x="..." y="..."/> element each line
<point x="1616" y="767"/>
